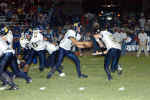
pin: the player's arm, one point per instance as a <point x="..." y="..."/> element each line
<point x="4" y="38"/>
<point x="98" y="40"/>
<point x="101" y="44"/>
<point x="102" y="52"/>
<point x="81" y="44"/>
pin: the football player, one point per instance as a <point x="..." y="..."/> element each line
<point x="7" y="37"/>
<point x="70" y="39"/>
<point x="5" y="54"/>
<point x="112" y="53"/>
<point x="35" y="42"/>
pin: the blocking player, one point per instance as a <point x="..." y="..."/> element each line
<point x="71" y="38"/>
<point x="34" y="42"/>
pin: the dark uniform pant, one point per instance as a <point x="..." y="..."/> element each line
<point x="69" y="54"/>
<point x="112" y="58"/>
<point x="10" y="59"/>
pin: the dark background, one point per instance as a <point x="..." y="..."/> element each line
<point x="124" y="5"/>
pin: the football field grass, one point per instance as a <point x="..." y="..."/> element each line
<point x="133" y="84"/>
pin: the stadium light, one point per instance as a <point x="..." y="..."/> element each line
<point x="109" y="18"/>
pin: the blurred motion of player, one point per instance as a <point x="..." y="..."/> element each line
<point x="112" y="52"/>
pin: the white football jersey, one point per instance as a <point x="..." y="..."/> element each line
<point x="50" y="47"/>
<point x="25" y="43"/>
<point x="117" y="37"/>
<point x="37" y="41"/>
<point x="5" y="47"/>
<point x="66" y="43"/>
<point x="109" y="40"/>
<point x="123" y="35"/>
<point x="9" y="38"/>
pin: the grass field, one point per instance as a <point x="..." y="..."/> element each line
<point x="135" y="81"/>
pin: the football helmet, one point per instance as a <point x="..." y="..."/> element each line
<point x="28" y="33"/>
<point x="4" y="30"/>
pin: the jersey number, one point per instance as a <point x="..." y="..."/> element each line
<point x="34" y="45"/>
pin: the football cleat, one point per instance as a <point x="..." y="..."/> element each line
<point x="13" y="88"/>
<point x="50" y="74"/>
<point x="41" y="69"/>
<point x="28" y="80"/>
<point x="83" y="76"/>
<point x="119" y="71"/>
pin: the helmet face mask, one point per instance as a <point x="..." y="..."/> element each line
<point x="28" y="34"/>
<point x="28" y="37"/>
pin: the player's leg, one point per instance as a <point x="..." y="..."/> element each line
<point x="4" y="77"/>
<point x="58" y="64"/>
<point x="56" y="59"/>
<point x="42" y="60"/>
<point x="4" y="60"/>
<point x="77" y="62"/>
<point x="16" y="70"/>
<point x="3" y="63"/>
<point x="139" y="50"/>
<point x="107" y="62"/>
<point x="54" y="52"/>
<point x="95" y="46"/>
<point x="52" y="60"/>
<point x="115" y="60"/>
<point x="28" y="61"/>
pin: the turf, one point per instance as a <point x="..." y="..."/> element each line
<point x="135" y="80"/>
